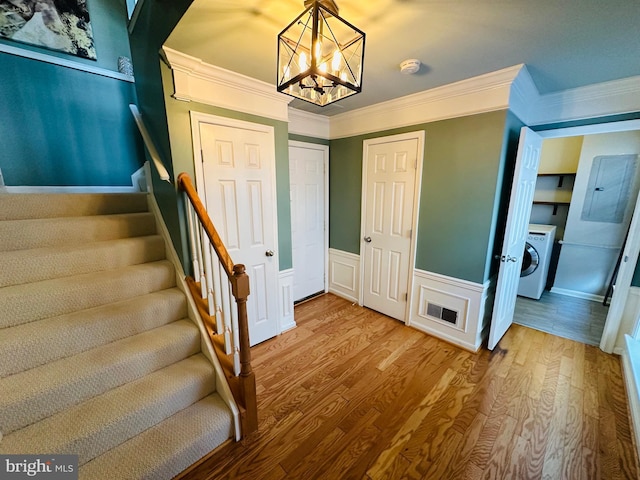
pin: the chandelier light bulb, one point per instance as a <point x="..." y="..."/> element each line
<point x="303" y="61"/>
<point x="335" y="63"/>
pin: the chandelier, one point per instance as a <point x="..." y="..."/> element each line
<point x="320" y="55"/>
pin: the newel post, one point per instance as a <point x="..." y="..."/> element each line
<point x="240" y="290"/>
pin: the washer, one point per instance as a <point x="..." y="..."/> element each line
<point x="536" y="260"/>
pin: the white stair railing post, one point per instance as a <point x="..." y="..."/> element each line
<point x="192" y="236"/>
<point x="203" y="286"/>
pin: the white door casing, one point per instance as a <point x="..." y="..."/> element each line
<point x="235" y="175"/>
<point x="520" y="204"/>
<point x="391" y="178"/>
<point x="308" y="166"/>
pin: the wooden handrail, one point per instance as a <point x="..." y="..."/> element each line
<point x="239" y="281"/>
<point x="184" y="182"/>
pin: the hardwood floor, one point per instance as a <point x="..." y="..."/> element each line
<point x="353" y="394"/>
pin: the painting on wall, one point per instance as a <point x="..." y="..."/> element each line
<point x="55" y="24"/>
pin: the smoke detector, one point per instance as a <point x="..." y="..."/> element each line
<point x="410" y="66"/>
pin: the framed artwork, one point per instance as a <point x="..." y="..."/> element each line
<point x="61" y="25"/>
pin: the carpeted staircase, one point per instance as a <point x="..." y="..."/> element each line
<point x="97" y="355"/>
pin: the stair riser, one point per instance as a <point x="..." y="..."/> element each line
<point x="30" y="345"/>
<point x="91" y="429"/>
<point x="176" y="443"/>
<point x="25" y="234"/>
<point x="34" y="301"/>
<point x="50" y="205"/>
<point x="87" y="375"/>
<point x="45" y="264"/>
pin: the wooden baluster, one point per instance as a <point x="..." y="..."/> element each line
<point x="240" y="288"/>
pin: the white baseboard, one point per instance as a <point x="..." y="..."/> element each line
<point x="631" y="373"/>
<point x="344" y="274"/>
<point x="75" y="189"/>
<point x="577" y="294"/>
<point x="285" y="307"/>
<point x="138" y="184"/>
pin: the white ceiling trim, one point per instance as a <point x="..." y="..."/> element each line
<point x="308" y="124"/>
<point x="592" y="101"/>
<point x="484" y="93"/>
<point x="195" y="80"/>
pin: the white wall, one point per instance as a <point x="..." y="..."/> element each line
<point x="590" y="249"/>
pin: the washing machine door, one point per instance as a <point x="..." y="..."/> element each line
<point x="530" y="260"/>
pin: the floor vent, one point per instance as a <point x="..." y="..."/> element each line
<point x="442" y="313"/>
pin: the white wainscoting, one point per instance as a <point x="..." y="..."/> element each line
<point x="344" y="274"/>
<point x="465" y="299"/>
<point x="285" y="304"/>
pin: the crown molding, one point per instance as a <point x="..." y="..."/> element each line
<point x="524" y="95"/>
<point x="592" y="101"/>
<point x="484" y="93"/>
<point x="308" y="124"/>
<point x="195" y="80"/>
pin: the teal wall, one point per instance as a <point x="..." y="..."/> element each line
<point x="62" y="126"/>
<point x="461" y="185"/>
<point x="182" y="153"/>
<point x="156" y="20"/>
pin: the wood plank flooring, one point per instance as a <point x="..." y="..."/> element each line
<point x="352" y="394"/>
<point x="568" y="317"/>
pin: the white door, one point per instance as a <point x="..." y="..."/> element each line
<point x="515" y="235"/>
<point x="389" y="186"/>
<point x="238" y="166"/>
<point x="307" y="167"/>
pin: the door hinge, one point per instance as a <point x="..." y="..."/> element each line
<point x="406" y="297"/>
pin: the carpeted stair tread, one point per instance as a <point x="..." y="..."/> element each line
<point x="48" y="298"/>
<point x="92" y="428"/>
<point x="168" y="448"/>
<point x="48" y="232"/>
<point x="30" y="396"/>
<point x="33" y="265"/>
<point x="18" y="206"/>
<point x="32" y="344"/>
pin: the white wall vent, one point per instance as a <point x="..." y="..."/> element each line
<point x="442" y="313"/>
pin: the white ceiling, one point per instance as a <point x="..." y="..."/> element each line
<point x="564" y="43"/>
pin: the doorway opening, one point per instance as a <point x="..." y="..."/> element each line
<point x="585" y="195"/>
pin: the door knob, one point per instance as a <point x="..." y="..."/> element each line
<point x="367" y="239"/>
<point x="269" y="253"/>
